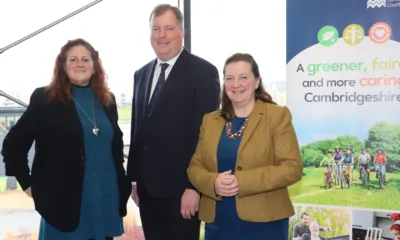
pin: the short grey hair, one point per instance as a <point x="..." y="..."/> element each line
<point x="163" y="8"/>
<point x="313" y="224"/>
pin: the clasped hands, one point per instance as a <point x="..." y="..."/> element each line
<point x="226" y="184"/>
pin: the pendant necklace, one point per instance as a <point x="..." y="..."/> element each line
<point x="96" y="130"/>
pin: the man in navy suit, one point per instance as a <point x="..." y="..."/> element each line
<point x="171" y="95"/>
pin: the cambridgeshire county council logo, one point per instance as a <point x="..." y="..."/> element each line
<point x="376" y="3"/>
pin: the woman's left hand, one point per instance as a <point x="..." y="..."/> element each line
<point x="229" y="185"/>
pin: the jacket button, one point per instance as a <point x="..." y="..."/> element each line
<point x="239" y="168"/>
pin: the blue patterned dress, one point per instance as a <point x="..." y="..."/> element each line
<point x="227" y="224"/>
<point x="100" y="197"/>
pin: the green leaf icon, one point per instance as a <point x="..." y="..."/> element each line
<point x="328" y="35"/>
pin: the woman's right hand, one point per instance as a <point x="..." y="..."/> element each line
<point x="28" y="192"/>
<point x="226" y="184"/>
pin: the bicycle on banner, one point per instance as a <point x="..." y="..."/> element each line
<point x="363" y="160"/>
<point x="329" y="163"/>
<point x="348" y="161"/>
<point x="380" y="174"/>
<point x="380" y="163"/>
<point x="338" y="166"/>
<point x="337" y="174"/>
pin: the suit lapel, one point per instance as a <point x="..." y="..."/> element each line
<point x="176" y="75"/>
<point x="253" y="121"/>
<point x="147" y="84"/>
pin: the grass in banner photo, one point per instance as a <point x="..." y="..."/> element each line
<point x="364" y="183"/>
<point x="311" y="222"/>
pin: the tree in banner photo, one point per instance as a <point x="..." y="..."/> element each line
<point x="343" y="80"/>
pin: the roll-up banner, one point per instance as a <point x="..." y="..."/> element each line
<point x="343" y="89"/>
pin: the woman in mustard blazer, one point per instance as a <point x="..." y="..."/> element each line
<point x="243" y="173"/>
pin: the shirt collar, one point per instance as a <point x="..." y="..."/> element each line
<point x="170" y="62"/>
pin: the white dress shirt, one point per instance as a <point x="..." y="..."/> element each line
<point x="157" y="71"/>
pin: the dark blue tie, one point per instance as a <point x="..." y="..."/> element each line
<point x="159" y="86"/>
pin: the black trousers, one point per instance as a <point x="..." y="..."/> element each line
<point x="162" y="220"/>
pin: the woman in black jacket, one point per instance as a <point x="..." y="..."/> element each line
<point x="77" y="181"/>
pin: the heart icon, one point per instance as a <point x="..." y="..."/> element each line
<point x="380" y="32"/>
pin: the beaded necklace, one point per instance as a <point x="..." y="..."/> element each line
<point x="238" y="133"/>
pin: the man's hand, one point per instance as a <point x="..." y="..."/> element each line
<point x="134" y="195"/>
<point x="28" y="192"/>
<point x="327" y="229"/>
<point x="226" y="184"/>
<point x="189" y="203"/>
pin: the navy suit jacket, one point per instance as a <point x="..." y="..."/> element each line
<point x="164" y="140"/>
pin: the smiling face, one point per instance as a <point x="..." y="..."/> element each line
<point x="240" y="83"/>
<point x="314" y="229"/>
<point x="79" y="65"/>
<point x="166" y="35"/>
<point x="305" y="221"/>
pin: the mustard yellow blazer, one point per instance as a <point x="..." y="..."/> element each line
<point x="268" y="161"/>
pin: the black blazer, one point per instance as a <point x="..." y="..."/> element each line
<point x="164" y="140"/>
<point x="58" y="167"/>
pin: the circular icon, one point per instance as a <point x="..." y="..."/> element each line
<point x="353" y="34"/>
<point x="380" y="32"/>
<point x="328" y="35"/>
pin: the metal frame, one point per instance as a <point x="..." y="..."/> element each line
<point x="3" y="94"/>
<point x="49" y="26"/>
<point x="185" y="7"/>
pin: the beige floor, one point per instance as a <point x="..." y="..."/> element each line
<point x="15" y="199"/>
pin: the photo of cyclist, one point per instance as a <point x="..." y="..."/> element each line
<point x="337" y="157"/>
<point x="380" y="162"/>
<point x="328" y="162"/>
<point x="364" y="159"/>
<point x="348" y="161"/>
